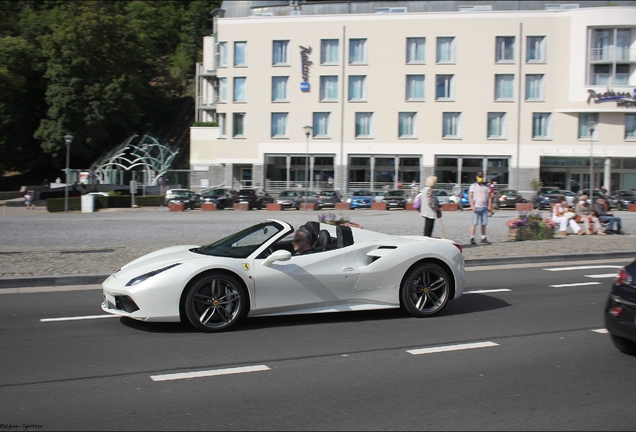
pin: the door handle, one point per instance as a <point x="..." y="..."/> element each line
<point x="347" y="269"/>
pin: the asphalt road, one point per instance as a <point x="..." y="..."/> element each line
<point x="538" y="365"/>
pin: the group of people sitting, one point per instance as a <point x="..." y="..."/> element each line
<point x="592" y="219"/>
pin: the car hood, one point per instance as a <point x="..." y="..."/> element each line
<point x="156" y="260"/>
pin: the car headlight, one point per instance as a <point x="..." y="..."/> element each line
<point x="143" y="277"/>
<point x="348" y="200"/>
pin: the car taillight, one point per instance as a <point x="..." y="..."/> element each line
<point x="623" y="278"/>
<point x="458" y="246"/>
<point x="616" y="311"/>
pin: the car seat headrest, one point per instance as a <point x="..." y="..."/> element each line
<point x="344" y="235"/>
<point x="313" y="227"/>
<point x="324" y="238"/>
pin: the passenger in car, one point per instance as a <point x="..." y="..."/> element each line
<point x="302" y="241"/>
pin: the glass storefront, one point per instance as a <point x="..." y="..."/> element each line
<point x="383" y="172"/>
<point x="292" y="171"/>
<point x="464" y="169"/>
<point x="573" y="173"/>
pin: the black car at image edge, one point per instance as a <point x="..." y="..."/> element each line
<point x="620" y="311"/>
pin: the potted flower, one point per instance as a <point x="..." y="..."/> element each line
<point x="530" y="226"/>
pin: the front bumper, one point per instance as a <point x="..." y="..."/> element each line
<point x="624" y="325"/>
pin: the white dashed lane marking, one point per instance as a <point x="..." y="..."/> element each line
<point x="591" y="267"/>
<point x="78" y="318"/>
<point x="209" y="373"/>
<point x="575" y="284"/>
<point x="486" y="291"/>
<point x="601" y="276"/>
<point x="447" y="348"/>
<point x="602" y="331"/>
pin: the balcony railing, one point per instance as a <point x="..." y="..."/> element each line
<point x="611" y="53"/>
<point x="208" y="103"/>
<point x="206" y="69"/>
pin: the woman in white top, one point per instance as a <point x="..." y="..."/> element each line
<point x="582" y="210"/>
<point x="429" y="206"/>
<point x="558" y="216"/>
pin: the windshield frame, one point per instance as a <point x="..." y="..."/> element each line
<point x="223" y="247"/>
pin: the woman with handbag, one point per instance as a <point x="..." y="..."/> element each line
<point x="584" y="215"/>
<point x="562" y="216"/>
<point x="429" y="206"/>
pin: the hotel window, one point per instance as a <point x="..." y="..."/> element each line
<point x="280" y="53"/>
<point x="630" y="126"/>
<point x="415" y="87"/>
<point x="504" y="87"/>
<point x="322" y="125"/>
<point x="452" y="125"/>
<point x="222" y="53"/>
<point x="505" y="49"/>
<point x="328" y="88"/>
<point x="445" y="50"/>
<point x="445" y="87"/>
<point x="279" y="125"/>
<point x="240" y="53"/>
<point x="415" y="50"/>
<point x="238" y="125"/>
<point x="279" y="89"/>
<point x="622" y="75"/>
<point x="584" y="129"/>
<point x="601" y="50"/>
<point x="222" y="122"/>
<point x="364" y="125"/>
<point x="497" y="123"/>
<point x="535" y="87"/>
<point x="357" y="88"/>
<point x="623" y="44"/>
<point x="407" y="127"/>
<point x="239" y="89"/>
<point x="222" y="89"/>
<point x="329" y="51"/>
<point x="357" y="51"/>
<point x="541" y="125"/>
<point x="535" y="49"/>
<point x="602" y="74"/>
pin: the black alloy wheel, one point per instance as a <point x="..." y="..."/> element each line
<point x="215" y="302"/>
<point x="624" y="345"/>
<point x="425" y="290"/>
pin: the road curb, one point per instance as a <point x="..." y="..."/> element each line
<point x="97" y="279"/>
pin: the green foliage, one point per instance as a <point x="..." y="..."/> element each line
<point x="535" y="184"/>
<point x="56" y="205"/>
<point x="149" y="200"/>
<point x="205" y="124"/>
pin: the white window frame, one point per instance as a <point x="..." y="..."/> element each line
<point x="500" y="98"/>
<point x="364" y="88"/>
<point x="583" y="119"/>
<point x="321" y="96"/>
<point x="500" y="50"/>
<point x="631" y="116"/>
<point x="457" y="116"/>
<point x="222" y="54"/>
<point x="503" y="125"/>
<point x="286" y="125"/>
<point x="222" y="124"/>
<point x="542" y="49"/>
<point x="223" y="89"/>
<point x="450" y="86"/>
<point x="286" y="99"/>
<point x="244" y="134"/>
<point x="452" y="59"/>
<point x="413" y="116"/>
<point x="315" y="129"/>
<point x="234" y="99"/>
<point x="411" y="98"/>
<point x="240" y="64"/>
<point x="285" y="50"/>
<point x="541" y="97"/>
<point x="548" y="126"/>
<point x="323" y="50"/>
<point x="409" y="42"/>
<point x="365" y="45"/>
<point x="370" y="116"/>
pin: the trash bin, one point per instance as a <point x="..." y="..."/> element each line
<point x="88" y="203"/>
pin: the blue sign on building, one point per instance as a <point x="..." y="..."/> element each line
<point x="304" y="86"/>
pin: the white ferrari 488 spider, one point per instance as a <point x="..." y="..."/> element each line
<point x="253" y="272"/>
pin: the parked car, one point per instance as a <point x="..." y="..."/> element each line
<point x="396" y="198"/>
<point x="256" y="198"/>
<point x="443" y="197"/>
<point x="378" y="196"/>
<point x="464" y="198"/>
<point x="329" y="198"/>
<point x="287" y="198"/>
<point x="309" y="197"/>
<point x="545" y="197"/>
<point x="189" y="199"/>
<point x="219" y="197"/>
<point x="570" y="197"/>
<point x="360" y="199"/>
<point x="621" y="199"/>
<point x="620" y="310"/>
<point x="98" y="194"/>
<point x="172" y="193"/>
<point x="597" y="195"/>
<point x="509" y="198"/>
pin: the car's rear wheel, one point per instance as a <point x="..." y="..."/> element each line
<point x="624" y="345"/>
<point x="215" y="302"/>
<point x="425" y="290"/>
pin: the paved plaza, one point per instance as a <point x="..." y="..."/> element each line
<point x="38" y="243"/>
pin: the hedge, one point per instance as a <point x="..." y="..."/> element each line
<point x="149" y="200"/>
<point x="55" y="205"/>
<point x="58" y="193"/>
<point x="101" y="202"/>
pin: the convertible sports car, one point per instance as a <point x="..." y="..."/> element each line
<point x="253" y="272"/>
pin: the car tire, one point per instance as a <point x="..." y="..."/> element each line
<point x="425" y="284"/>
<point x="215" y="302"/>
<point x="625" y="345"/>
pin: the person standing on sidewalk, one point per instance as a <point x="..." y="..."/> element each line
<point x="480" y="199"/>
<point x="429" y="206"/>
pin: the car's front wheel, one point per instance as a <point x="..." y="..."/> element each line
<point x="624" y="345"/>
<point x="215" y="302"/>
<point x="425" y="290"/>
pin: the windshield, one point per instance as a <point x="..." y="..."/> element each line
<point x="627" y="193"/>
<point x="440" y="193"/>
<point x="182" y="194"/>
<point x="362" y="193"/>
<point x="550" y="191"/>
<point x="509" y="192"/>
<point x="328" y="193"/>
<point x="396" y="193"/>
<point x="243" y="243"/>
<point x="287" y="194"/>
<point x="247" y="192"/>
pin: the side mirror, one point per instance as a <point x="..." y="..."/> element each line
<point x="280" y="255"/>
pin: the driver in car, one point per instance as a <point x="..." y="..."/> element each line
<point x="302" y="241"/>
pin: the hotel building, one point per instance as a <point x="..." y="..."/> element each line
<point x="396" y="93"/>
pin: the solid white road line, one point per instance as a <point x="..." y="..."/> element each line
<point x="486" y="291"/>
<point x="575" y="284"/>
<point x="602" y="331"/>
<point x="602" y="276"/>
<point x="78" y="318"/>
<point x="452" y="348"/>
<point x="217" y="372"/>
<point x="582" y="267"/>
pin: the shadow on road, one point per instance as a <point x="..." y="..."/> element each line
<point x="473" y="303"/>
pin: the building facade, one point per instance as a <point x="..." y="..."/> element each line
<point x="394" y="96"/>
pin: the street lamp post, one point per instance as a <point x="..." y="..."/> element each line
<point x="68" y="139"/>
<point x="308" y="130"/>
<point x="591" y="126"/>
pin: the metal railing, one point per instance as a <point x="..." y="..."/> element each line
<point x="203" y="102"/>
<point x="611" y="53"/>
<point x="208" y="68"/>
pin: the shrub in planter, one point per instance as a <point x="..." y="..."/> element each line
<point x="530" y="226"/>
<point x="56" y="205"/>
<point x="149" y="200"/>
<point x="119" y="201"/>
